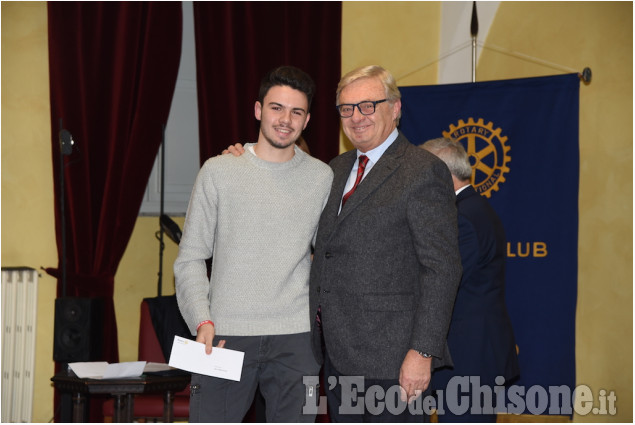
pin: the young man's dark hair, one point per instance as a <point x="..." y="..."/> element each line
<point x="288" y="76"/>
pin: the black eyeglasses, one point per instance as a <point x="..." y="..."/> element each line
<point x="346" y="110"/>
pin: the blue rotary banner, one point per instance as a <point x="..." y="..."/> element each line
<point x="522" y="138"/>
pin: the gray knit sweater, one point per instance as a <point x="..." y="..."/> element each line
<point x="257" y="219"/>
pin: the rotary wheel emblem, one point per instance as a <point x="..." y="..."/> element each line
<point x="487" y="151"/>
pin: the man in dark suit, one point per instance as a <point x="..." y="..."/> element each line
<point x="386" y="262"/>
<point x="481" y="339"/>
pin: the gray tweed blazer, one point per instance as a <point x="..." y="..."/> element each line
<point x="386" y="269"/>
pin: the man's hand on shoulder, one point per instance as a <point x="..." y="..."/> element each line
<point x="235" y="149"/>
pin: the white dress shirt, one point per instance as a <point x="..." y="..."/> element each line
<point x="373" y="156"/>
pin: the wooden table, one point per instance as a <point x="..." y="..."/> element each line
<point x="122" y="390"/>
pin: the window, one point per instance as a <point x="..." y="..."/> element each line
<point x="181" y="136"/>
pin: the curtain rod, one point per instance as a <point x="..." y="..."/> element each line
<point x="585" y="75"/>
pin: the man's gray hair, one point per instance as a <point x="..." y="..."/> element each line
<point x="453" y="154"/>
<point x="391" y="89"/>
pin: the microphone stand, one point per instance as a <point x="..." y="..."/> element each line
<point x="66" y="148"/>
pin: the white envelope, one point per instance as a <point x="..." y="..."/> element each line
<point x="105" y="370"/>
<point x="124" y="370"/>
<point x="157" y="367"/>
<point x="93" y="370"/>
<point x="222" y="363"/>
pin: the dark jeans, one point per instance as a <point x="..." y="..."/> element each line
<point x="276" y="363"/>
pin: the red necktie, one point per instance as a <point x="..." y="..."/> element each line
<point x="363" y="159"/>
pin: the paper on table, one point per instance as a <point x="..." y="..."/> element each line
<point x="157" y="367"/>
<point x="222" y="363"/>
<point x="89" y="369"/>
<point x="105" y="370"/>
<point x="124" y="370"/>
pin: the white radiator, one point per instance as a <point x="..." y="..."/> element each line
<point x="19" y="313"/>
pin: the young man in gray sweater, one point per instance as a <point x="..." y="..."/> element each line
<point x="256" y="216"/>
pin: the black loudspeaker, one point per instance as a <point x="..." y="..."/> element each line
<point x="78" y="329"/>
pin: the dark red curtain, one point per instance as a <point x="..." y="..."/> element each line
<point x="238" y="42"/>
<point x="113" y="69"/>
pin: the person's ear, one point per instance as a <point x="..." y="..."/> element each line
<point x="396" y="108"/>
<point x="258" y="110"/>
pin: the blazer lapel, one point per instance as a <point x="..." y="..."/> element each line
<point x="341" y="171"/>
<point x="387" y="164"/>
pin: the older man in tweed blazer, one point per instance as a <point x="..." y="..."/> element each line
<point x="386" y="264"/>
